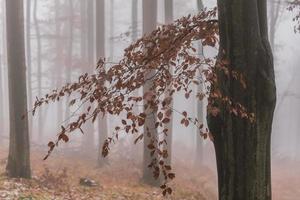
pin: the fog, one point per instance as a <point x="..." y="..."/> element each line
<point x="61" y="45"/>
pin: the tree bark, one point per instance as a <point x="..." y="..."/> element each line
<point x="243" y="148"/>
<point x="18" y="164"/>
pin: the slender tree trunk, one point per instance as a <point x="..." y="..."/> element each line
<point x="4" y="61"/>
<point x="1" y="95"/>
<point x="100" y="52"/>
<point x="150" y="132"/>
<point x="28" y="57"/>
<point x="83" y="35"/>
<point x="39" y="67"/>
<point x="199" y="141"/>
<point x="88" y="139"/>
<point x="1" y="81"/>
<point x="69" y="64"/>
<point x="169" y="17"/>
<point x="59" y="53"/>
<point x="18" y="164"/>
<point x="112" y="31"/>
<point x="134" y="20"/>
<point x="243" y="148"/>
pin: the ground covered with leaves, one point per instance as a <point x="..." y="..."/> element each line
<point x="59" y="178"/>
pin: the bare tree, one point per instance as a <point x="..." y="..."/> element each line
<point x="28" y="59"/>
<point x="112" y="31"/>
<point x="88" y="139"/>
<point x="18" y="164"/>
<point x="169" y="17"/>
<point x="199" y="106"/>
<point x="100" y="52"/>
<point x="39" y="65"/>
<point x="59" y="53"/>
<point x="134" y="19"/>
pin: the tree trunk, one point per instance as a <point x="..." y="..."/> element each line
<point x="18" y="164"/>
<point x="134" y="20"/>
<point x="1" y="93"/>
<point x="243" y="148"/>
<point x="28" y="57"/>
<point x="59" y="53"/>
<point x="149" y="24"/>
<point x="169" y="17"/>
<point x="100" y="51"/>
<point x="69" y="64"/>
<point x="112" y="31"/>
<point x="88" y="138"/>
<point x="199" y="140"/>
<point x="39" y="67"/>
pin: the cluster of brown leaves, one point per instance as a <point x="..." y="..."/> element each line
<point x="167" y="58"/>
<point x="295" y="6"/>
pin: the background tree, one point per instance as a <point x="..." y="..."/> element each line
<point x="200" y="104"/>
<point x="39" y="66"/>
<point x="28" y="59"/>
<point x="88" y="139"/>
<point x="169" y="17"/>
<point x="134" y="19"/>
<point x="100" y="53"/>
<point x="151" y="134"/>
<point x="243" y="148"/>
<point x="18" y="164"/>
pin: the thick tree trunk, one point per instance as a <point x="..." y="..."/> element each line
<point x="243" y="148"/>
<point x="19" y="156"/>
<point x="100" y="51"/>
<point x="149" y="24"/>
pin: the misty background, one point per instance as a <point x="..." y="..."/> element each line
<point x="61" y="44"/>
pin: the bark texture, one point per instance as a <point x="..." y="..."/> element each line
<point x="243" y="148"/>
<point x="19" y="156"/>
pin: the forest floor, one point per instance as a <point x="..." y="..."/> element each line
<point x="58" y="179"/>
